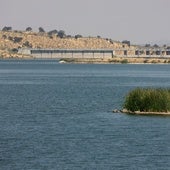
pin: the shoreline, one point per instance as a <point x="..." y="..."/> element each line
<point x="117" y="60"/>
<point x="142" y="113"/>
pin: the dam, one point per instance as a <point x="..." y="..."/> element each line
<point x="95" y="53"/>
<point x="68" y="53"/>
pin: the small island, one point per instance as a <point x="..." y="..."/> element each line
<point x="147" y="101"/>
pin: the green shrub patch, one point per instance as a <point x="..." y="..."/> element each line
<point x="148" y="100"/>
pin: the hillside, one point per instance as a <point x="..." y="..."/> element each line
<point x="10" y="41"/>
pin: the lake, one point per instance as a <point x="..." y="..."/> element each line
<point x="59" y="117"/>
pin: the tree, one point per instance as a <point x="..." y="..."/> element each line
<point x="147" y="45"/>
<point x="156" y="46"/>
<point x="52" y="32"/>
<point x="126" y="42"/>
<point x="111" y="41"/>
<point x="61" y="34"/>
<point x="28" y="29"/>
<point x="7" y="29"/>
<point x="78" y="36"/>
<point x="41" y="30"/>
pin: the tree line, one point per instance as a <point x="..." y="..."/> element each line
<point x="60" y="33"/>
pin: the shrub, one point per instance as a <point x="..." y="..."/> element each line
<point x="27" y="44"/>
<point x="153" y="62"/>
<point x="156" y="46"/>
<point x="41" y="30"/>
<point x="78" y="36"/>
<point x="125" y="61"/>
<point x="148" y="100"/>
<point x="17" y="39"/>
<point x="145" y="61"/>
<point x="113" y="61"/>
<point x="61" y="34"/>
<point x="50" y="36"/>
<point x="147" y="45"/>
<point x="7" y="29"/>
<point x="111" y="41"/>
<point x="28" y="29"/>
<point x="4" y="36"/>
<point x="53" y="32"/>
<point x="14" y="50"/>
<point x="69" y="36"/>
<point x="10" y="38"/>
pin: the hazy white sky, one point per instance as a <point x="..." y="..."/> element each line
<point x="140" y="21"/>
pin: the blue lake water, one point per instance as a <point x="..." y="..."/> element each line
<point x="59" y="117"/>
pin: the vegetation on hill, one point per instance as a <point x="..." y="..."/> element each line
<point x="148" y="100"/>
<point x="53" y="39"/>
<point x="11" y="39"/>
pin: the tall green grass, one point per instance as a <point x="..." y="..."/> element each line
<point x="148" y="100"/>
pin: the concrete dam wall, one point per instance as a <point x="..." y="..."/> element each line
<point x="94" y="53"/>
<point x="67" y="53"/>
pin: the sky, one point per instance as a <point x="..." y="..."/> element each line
<point x="140" y="21"/>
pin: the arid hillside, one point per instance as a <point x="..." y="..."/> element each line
<point x="10" y="41"/>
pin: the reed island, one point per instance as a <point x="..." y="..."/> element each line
<point x="147" y="101"/>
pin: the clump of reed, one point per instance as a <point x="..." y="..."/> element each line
<point x="148" y="100"/>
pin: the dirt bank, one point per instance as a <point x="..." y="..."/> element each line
<point x="122" y="60"/>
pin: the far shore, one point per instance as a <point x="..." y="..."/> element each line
<point x="118" y="60"/>
<point x="114" y="60"/>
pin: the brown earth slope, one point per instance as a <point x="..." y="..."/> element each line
<point x="12" y="40"/>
